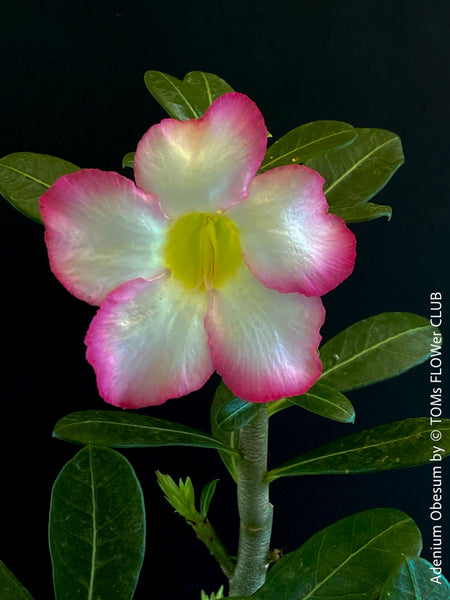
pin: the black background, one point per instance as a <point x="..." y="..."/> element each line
<point x="72" y="86"/>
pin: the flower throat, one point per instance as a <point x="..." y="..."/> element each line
<point x="203" y="250"/>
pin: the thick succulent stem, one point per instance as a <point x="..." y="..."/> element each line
<point x="255" y="510"/>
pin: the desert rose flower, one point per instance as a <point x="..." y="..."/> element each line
<point x="201" y="266"/>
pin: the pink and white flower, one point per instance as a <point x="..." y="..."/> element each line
<point x="201" y="266"/>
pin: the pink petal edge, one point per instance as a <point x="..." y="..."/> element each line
<point x="242" y="356"/>
<point x="147" y="344"/>
<point x="318" y="252"/>
<point x="101" y="230"/>
<point x="205" y="164"/>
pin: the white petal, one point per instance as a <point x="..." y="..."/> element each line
<point x="289" y="240"/>
<point x="148" y="343"/>
<point x="264" y="343"/>
<point x="203" y="165"/>
<point x="100" y="232"/>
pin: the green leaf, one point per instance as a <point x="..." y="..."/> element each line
<point x="129" y="430"/>
<point x="97" y="527"/>
<point x="375" y="349"/>
<point x="306" y="141"/>
<point x="128" y="160"/>
<point x="222" y="396"/>
<point x="181" y="496"/>
<point x="10" y="588"/>
<point x="25" y="176"/>
<point x="354" y="174"/>
<point x="395" y="445"/>
<point x="363" y="212"/>
<point x="414" y="581"/>
<point x="236" y="413"/>
<point x="214" y="595"/>
<point x="187" y="99"/>
<point x="321" y="400"/>
<point x="206" y="497"/>
<point x="349" y="559"/>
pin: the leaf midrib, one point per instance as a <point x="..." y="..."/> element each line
<point x="413" y="579"/>
<point x="146" y="427"/>
<point x="336" y="406"/>
<point x="26" y="175"/>
<point x="208" y="89"/>
<point x="370" y="349"/>
<point x="302" y="147"/>
<point x="352" y="555"/>
<point x="232" y="416"/>
<point x="356" y="165"/>
<point x="179" y="90"/>
<point x="350" y="450"/>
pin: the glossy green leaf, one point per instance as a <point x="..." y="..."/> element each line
<point x="10" y="587"/>
<point x="349" y="559"/>
<point x="406" y="443"/>
<point x="128" y="430"/>
<point x="236" y="413"/>
<point x="306" y="141"/>
<point x="222" y="396"/>
<point x="320" y="400"/>
<point x="25" y="176"/>
<point x="187" y="99"/>
<point x="375" y="349"/>
<point x="354" y="174"/>
<point x="416" y="580"/>
<point x="97" y="527"/>
<point x="363" y="212"/>
<point x="128" y="160"/>
<point x="206" y="497"/>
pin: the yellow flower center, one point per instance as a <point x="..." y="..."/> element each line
<point x="203" y="250"/>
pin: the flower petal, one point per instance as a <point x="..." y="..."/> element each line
<point x="101" y="231"/>
<point x="203" y="165"/>
<point x="263" y="343"/>
<point x="289" y="242"/>
<point x="148" y="343"/>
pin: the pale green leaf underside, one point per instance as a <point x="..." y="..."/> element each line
<point x="414" y="581"/>
<point x="10" y="587"/>
<point x="395" y="445"/>
<point x="375" y="349"/>
<point x="127" y="430"/>
<point x="25" y="176"/>
<point x="349" y="560"/>
<point x="355" y="173"/>
<point x="306" y="141"/>
<point x="97" y="527"/>
<point x="187" y="99"/>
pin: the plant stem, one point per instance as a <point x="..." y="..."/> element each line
<point x="205" y="532"/>
<point x="255" y="510"/>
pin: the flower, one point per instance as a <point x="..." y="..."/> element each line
<point x="201" y="266"/>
